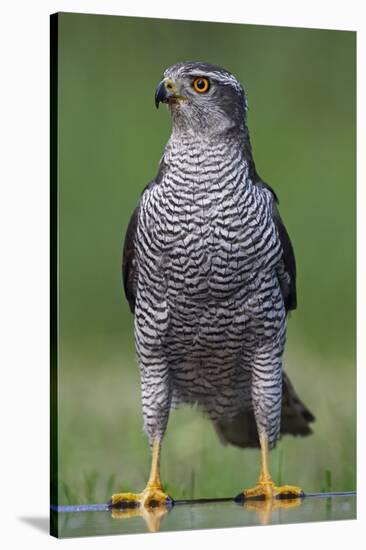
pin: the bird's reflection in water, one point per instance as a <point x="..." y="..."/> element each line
<point x="152" y="516"/>
<point x="265" y="508"/>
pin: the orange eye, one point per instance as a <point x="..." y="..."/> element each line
<point x="201" y="85"/>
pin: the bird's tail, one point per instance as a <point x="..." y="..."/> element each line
<point x="241" y="430"/>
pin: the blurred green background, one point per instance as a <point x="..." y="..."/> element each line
<point x="301" y="90"/>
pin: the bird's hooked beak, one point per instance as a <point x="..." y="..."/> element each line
<point x="167" y="92"/>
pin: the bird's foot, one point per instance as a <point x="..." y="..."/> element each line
<point x="268" y="490"/>
<point x="152" y="496"/>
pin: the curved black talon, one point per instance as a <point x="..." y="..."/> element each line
<point x="290" y="496"/>
<point x="170" y="502"/>
<point x="123" y="505"/>
<point x="240" y="498"/>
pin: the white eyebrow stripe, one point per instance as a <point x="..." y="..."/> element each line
<point x="223" y="78"/>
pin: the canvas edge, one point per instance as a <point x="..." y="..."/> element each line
<point x="54" y="24"/>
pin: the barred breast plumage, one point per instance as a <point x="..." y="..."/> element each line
<point x="208" y="250"/>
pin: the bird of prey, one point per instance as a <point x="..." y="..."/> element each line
<point x="209" y="273"/>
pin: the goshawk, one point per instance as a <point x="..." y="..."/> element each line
<point x="209" y="273"/>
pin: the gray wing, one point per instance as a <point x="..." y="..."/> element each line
<point x="129" y="259"/>
<point x="130" y="270"/>
<point x="287" y="273"/>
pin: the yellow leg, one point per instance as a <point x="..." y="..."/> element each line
<point x="265" y="488"/>
<point x="153" y="495"/>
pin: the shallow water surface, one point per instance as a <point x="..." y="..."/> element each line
<point x="80" y="521"/>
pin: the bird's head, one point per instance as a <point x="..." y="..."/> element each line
<point x="202" y="98"/>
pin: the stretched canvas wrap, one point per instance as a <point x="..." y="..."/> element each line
<point x="203" y="358"/>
